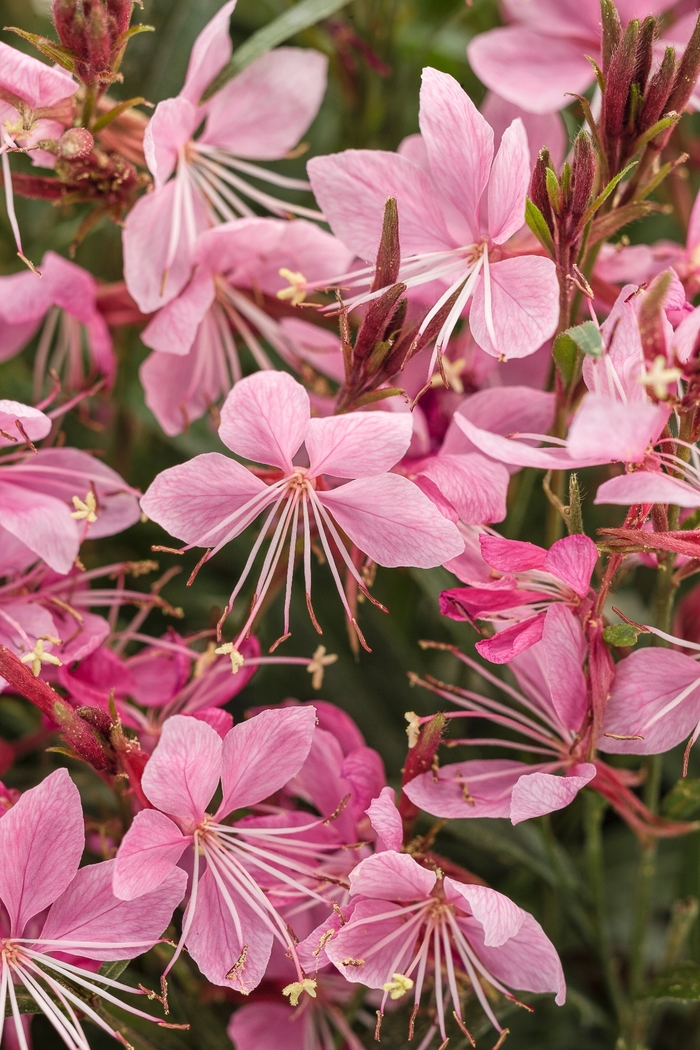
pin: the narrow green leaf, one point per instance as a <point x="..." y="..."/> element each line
<point x="683" y="800"/>
<point x="133" y="31"/>
<point x="565" y="356"/>
<point x="604" y="194"/>
<point x="553" y="190"/>
<point x="653" y="131"/>
<point x="536" y="221"/>
<point x="606" y="225"/>
<point x="115" y="969"/>
<point x="379" y="395"/>
<point x="301" y="16"/>
<point x="26" y="1004"/>
<point x="682" y="982"/>
<point x="50" y="48"/>
<point x="115" y="111"/>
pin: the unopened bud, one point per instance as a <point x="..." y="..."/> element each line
<point x="75" y="144"/>
<point x="582" y="174"/>
<point x="657" y="93"/>
<point x="687" y="75"/>
<point x="618" y="82"/>
<point x="612" y="31"/>
<point x="70" y="25"/>
<point x="97" y="718"/>
<point x="120" y="15"/>
<point x="642" y="62"/>
<point x="99" y="41"/>
<point x="538" y="187"/>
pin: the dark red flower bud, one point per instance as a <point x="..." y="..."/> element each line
<point x="618" y="82"/>
<point x="583" y="167"/>
<point x="75" y="144"/>
<point x="612" y="31"/>
<point x="643" y="58"/>
<point x="99" y="40"/>
<point x="69" y="21"/>
<point x="687" y="75"/>
<point x="120" y="14"/>
<point x="657" y="93"/>
<point x="538" y="187"/>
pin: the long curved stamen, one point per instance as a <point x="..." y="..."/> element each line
<point x="213" y="167"/>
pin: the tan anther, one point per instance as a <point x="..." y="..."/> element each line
<point x="237" y="659"/>
<point x="296" y="292"/>
<point x="297" y="988"/>
<point x="412" y="729"/>
<point x="85" y="510"/>
<point x="316" y="666"/>
<point x="37" y="656"/>
<point x="658" y="377"/>
<point x="398" y="986"/>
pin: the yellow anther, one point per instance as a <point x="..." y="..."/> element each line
<point x="85" y="510"/>
<point x="413" y="728"/>
<point x="37" y="656"/>
<point x="206" y="659"/>
<point x="659" y="376"/>
<point x="398" y="986"/>
<point x="296" y="292"/>
<point x="237" y="659"/>
<point x="453" y="374"/>
<point x="317" y="664"/>
<point x="297" y="988"/>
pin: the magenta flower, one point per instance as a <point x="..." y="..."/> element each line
<point x="407" y="922"/>
<point x="266" y="418"/>
<point x="458" y="207"/>
<point x="259" y="115"/>
<point x="540" y="58"/>
<point x="531" y="584"/>
<point x="74" y="341"/>
<point x="244" y="871"/>
<point x="196" y="360"/>
<point x="41" y="842"/>
<point x="549" y="719"/>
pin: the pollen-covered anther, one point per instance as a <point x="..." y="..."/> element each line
<point x="297" y="988"/>
<point x="85" y="510"/>
<point x="658" y="377"/>
<point x="398" y="985"/>
<point x="296" y="292"/>
<point x="412" y="729"/>
<point x="229" y="649"/>
<point x="316" y="666"/>
<point x="36" y="657"/>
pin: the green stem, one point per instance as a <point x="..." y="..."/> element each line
<point x="594" y="812"/>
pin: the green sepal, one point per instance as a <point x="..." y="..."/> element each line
<point x="565" y="357"/>
<point x="536" y="221"/>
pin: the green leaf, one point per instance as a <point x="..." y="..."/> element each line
<point x="606" y="225"/>
<point x="620" y="634"/>
<point x="114" y="970"/>
<point x="587" y="338"/>
<point x="50" y="48"/>
<point x="301" y="16"/>
<point x="683" y="800"/>
<point x="26" y="1004"/>
<point x="604" y="194"/>
<point x="536" y="221"/>
<point x="115" y="111"/>
<point x="653" y="131"/>
<point x="682" y="982"/>
<point x="565" y="356"/>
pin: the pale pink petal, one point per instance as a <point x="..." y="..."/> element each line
<point x="540" y="793"/>
<point x="359" y="445"/>
<point x="336" y="721"/>
<point x="174" y="122"/>
<point x="535" y="73"/>
<point x="317" y="346"/>
<point x="524" y="306"/>
<point x="269" y="1026"/>
<point x="66" y="285"/>
<point x="261" y="754"/>
<point x="693" y="238"/>
<point x="364" y="771"/>
<point x="174" y="328"/>
<point x="528" y="961"/>
<point x="41" y="842"/>
<point x="23" y="300"/>
<point x="517" y="452"/>
<point x="148" y="853"/>
<point x="42" y="523"/>
<point x="506" y="644"/>
<point x="356" y="940"/>
<point x="35" y="82"/>
<point x="644" y="486"/>
<point x="393" y="522"/>
<point x="386" y="820"/>
<point x="508" y="185"/>
<point x="564" y="648"/>
<point x="193" y="499"/>
<point x="477" y="788"/>
<point x="573" y="560"/>
<point x="686" y="335"/>
<point x="459" y="143"/>
<point x="511" y="555"/>
<point x="497" y="915"/>
<point x="646" y="683"/>
<point x="265" y="418"/>
<point x="180" y="389"/>
<point x="546" y="129"/>
<point x="182" y="773"/>
<point x="413" y="149"/>
<point x="220" y="721"/>
<point x="210" y="53"/>
<point x="352" y="189"/>
<point x="151" y="277"/>
<point x="35" y="424"/>
<point x="22" y="618"/>
<point x="571" y="18"/>
<point x="263" y="112"/>
<point x="93" y="680"/>
<point x="502" y="410"/>
<point x="214" y="944"/>
<point x="614" y="430"/>
<point x="391" y="876"/>
<point x="88" y="911"/>
<point x="474" y="485"/>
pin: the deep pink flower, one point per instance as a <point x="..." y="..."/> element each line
<point x="244" y="871"/>
<point x="531" y="584"/>
<point x="196" y="359"/>
<point x="458" y="206"/>
<point x="266" y="418"/>
<point x="259" y="115"/>
<point x="406" y="921"/>
<point x="42" y="839"/>
<point x="75" y="340"/>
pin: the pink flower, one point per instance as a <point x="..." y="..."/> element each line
<point x="540" y="59"/>
<point x="531" y="585"/>
<point x="549" y="719"/>
<point x="407" y="921"/>
<point x="251" y="867"/>
<point x="259" y="115"/>
<point x="266" y="418"/>
<point x="41" y="842"/>
<point x="64" y="300"/>
<point x="196" y="360"/>
<point x="458" y="206"/>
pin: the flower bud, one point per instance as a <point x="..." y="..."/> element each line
<point x="120" y="15"/>
<point x="583" y="165"/>
<point x="612" y="31"/>
<point x="657" y="93"/>
<point x="75" y="144"/>
<point x="69" y="21"/>
<point x="618" y="82"/>
<point x="538" y="187"/>
<point x="99" y="40"/>
<point x="687" y="75"/>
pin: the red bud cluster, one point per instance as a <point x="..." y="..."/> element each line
<point x="94" y="31"/>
